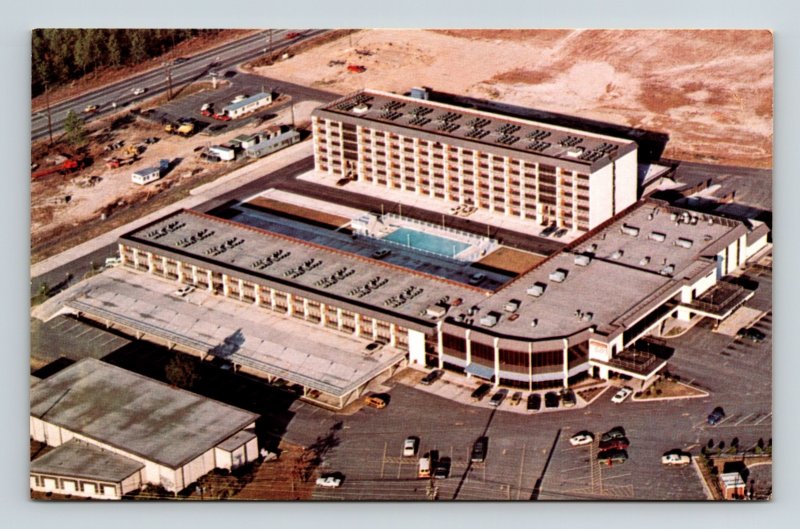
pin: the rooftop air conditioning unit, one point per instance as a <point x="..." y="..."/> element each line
<point x="630" y="230"/>
<point x="657" y="236"/>
<point x="684" y="243"/>
<point x="582" y="260"/>
<point x="644" y="261"/>
<point x="617" y="254"/>
<point x="536" y="290"/>
<point x="360" y="109"/>
<point x="558" y="276"/>
<point x="490" y="319"/>
<point x="512" y="305"/>
<point x="587" y="316"/>
<point x="435" y="311"/>
<point x="668" y="270"/>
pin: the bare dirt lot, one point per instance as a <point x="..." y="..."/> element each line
<point x="511" y="260"/>
<point x="711" y="91"/>
<point x="61" y="204"/>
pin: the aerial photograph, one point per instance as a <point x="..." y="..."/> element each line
<point x="401" y="264"/>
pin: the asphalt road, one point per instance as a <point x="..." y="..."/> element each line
<point x="155" y="81"/>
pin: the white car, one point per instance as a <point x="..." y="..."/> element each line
<point x="188" y="289"/>
<point x="676" y="458"/>
<point x="331" y="481"/>
<point x="139" y="91"/>
<point x="581" y="438"/>
<point x="621" y="395"/>
<point x="409" y="447"/>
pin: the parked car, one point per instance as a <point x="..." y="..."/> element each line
<point x="184" y="290"/>
<point x="716" y="416"/>
<point x="330" y="480"/>
<point x="139" y="91"/>
<point x="569" y="399"/>
<point x="621" y="395"/>
<point x="479" y="450"/>
<point x="676" y="457"/>
<point x="619" y="443"/>
<point x="551" y="399"/>
<point x="560" y="233"/>
<point x="431" y="377"/>
<point x="617" y="432"/>
<point x="516" y="398"/>
<point x="751" y="334"/>
<point x="581" y="438"/>
<point x="612" y="456"/>
<point x="180" y="60"/>
<point x="380" y="254"/>
<point x="90" y="108"/>
<point x="376" y="401"/>
<point x="534" y="402"/>
<point x="410" y="447"/>
<point x="230" y="73"/>
<point x="548" y="230"/>
<point x="373" y="346"/>
<point x="477" y="278"/>
<point x="498" y="398"/>
<point x="441" y="469"/>
<point x="481" y="391"/>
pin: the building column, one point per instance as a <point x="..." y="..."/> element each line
<point x="150" y="265"/>
<point x="272" y="298"/>
<point x="241" y="290"/>
<point x="468" y="352"/>
<point x="164" y="266"/>
<point x="357" y="326"/>
<point x="530" y="366"/>
<point x="210" y="278"/>
<point x="257" y="294"/>
<point x="339" y="318"/>
<point x="135" y="258"/>
<point x="305" y="308"/>
<point x="440" y="344"/>
<point x="392" y="334"/>
<point x="225" y="288"/>
<point x="566" y="362"/>
<point x="323" y="314"/>
<point x="289" y="304"/>
<point x="496" y="362"/>
<point x="121" y="249"/>
<point x="180" y="271"/>
<point x="194" y="275"/>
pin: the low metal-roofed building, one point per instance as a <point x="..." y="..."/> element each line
<point x="172" y="431"/>
<point x="82" y="469"/>
<point x="247" y="105"/>
<point x="255" y="341"/>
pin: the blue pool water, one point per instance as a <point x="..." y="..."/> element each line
<point x="426" y="242"/>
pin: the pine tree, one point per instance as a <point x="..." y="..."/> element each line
<point x="73" y="127"/>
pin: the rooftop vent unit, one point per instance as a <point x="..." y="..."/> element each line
<point x="684" y="243"/>
<point x="537" y="134"/>
<point x="673" y="217"/>
<point x="587" y="316"/>
<point x="535" y="322"/>
<point x="657" y="236"/>
<point x="512" y="305"/>
<point x="419" y="112"/>
<point x="558" y="276"/>
<point x="507" y="128"/>
<point x="707" y="237"/>
<point x="537" y="289"/>
<point x="617" y="255"/>
<point x="668" y="270"/>
<point x="644" y="261"/>
<point x="490" y="319"/>
<point x="538" y="146"/>
<point x="582" y="260"/>
<point x="477" y="133"/>
<point x="477" y="123"/>
<point x="363" y="108"/>
<point x="606" y="148"/>
<point x="589" y="156"/>
<point x="507" y="139"/>
<point x="570" y="141"/>
<point x="633" y="231"/>
<point x="435" y="311"/>
<point x="420" y="93"/>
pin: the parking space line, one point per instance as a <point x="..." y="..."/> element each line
<point x="740" y="421"/>
<point x="573" y="469"/>
<point x="762" y="419"/>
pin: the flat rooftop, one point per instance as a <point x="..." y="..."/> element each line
<point x="82" y="460"/>
<point x="328" y="264"/>
<point x="629" y="269"/>
<point x="479" y="129"/>
<point x="135" y="413"/>
<point x="289" y="348"/>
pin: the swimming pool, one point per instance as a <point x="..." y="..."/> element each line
<point x="427" y="242"/>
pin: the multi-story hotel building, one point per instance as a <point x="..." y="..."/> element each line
<point x="521" y="168"/>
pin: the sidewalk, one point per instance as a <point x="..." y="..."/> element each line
<point x="197" y="196"/>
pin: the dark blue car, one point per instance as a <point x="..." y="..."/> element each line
<point x="715" y="416"/>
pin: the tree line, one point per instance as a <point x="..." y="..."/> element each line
<point x="63" y="55"/>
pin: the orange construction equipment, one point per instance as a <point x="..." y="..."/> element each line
<point x="356" y="68"/>
<point x="71" y="164"/>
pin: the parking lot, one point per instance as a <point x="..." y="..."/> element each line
<point x="527" y="447"/>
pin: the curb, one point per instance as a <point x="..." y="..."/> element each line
<point x="703" y="394"/>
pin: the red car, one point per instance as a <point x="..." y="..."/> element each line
<point x="222" y="117"/>
<point x="620" y="443"/>
<point x="292" y="35"/>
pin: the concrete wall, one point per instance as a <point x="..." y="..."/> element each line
<point x="416" y="347"/>
<point x="600" y="191"/>
<point x="626" y="172"/>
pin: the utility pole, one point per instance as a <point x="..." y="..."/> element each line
<point x="292" y="107"/>
<point x="49" y="118"/>
<point x="269" y="57"/>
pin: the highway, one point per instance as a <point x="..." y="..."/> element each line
<point x="223" y="57"/>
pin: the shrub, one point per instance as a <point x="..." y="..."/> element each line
<point x="658" y="391"/>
